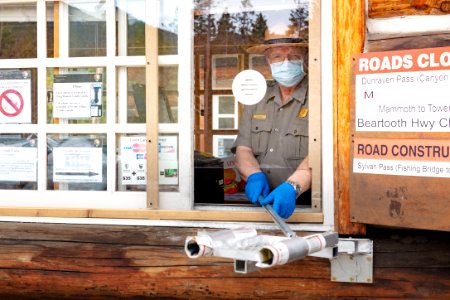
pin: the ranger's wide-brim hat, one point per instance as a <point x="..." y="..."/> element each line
<point x="276" y="37"/>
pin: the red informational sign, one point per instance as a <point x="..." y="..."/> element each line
<point x="11" y="103"/>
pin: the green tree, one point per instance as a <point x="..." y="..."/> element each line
<point x="244" y="20"/>
<point x="299" y="19"/>
<point x="225" y="25"/>
<point x="259" y="26"/>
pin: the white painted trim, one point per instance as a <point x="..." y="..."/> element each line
<point x="122" y="42"/>
<point x="327" y="114"/>
<point x="131" y="61"/>
<point x="185" y="127"/>
<point x="407" y="26"/>
<point x="164" y="223"/>
<point x="216" y="115"/>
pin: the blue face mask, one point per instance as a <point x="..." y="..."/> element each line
<point x="288" y="73"/>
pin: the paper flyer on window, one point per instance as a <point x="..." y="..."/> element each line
<point x="168" y="159"/>
<point x="77" y="164"/>
<point x="15" y="96"/>
<point x="77" y="96"/>
<point x="133" y="160"/>
<point x="133" y="164"/>
<point x="18" y="164"/>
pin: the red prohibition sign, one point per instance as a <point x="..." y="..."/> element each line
<point x="16" y="109"/>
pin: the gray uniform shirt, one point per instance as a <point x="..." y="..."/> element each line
<point x="276" y="133"/>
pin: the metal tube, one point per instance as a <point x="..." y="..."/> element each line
<point x="280" y="222"/>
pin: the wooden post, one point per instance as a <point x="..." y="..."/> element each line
<point x="349" y="27"/>
<point x="152" y="121"/>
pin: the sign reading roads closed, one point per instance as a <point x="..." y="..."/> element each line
<point x="398" y="92"/>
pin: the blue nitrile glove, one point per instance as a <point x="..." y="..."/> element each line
<point x="283" y="198"/>
<point x="257" y="185"/>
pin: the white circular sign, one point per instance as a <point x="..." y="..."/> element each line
<point x="249" y="87"/>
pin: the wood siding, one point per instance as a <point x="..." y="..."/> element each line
<point x="60" y="261"/>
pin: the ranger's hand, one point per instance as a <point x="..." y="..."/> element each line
<point x="283" y="199"/>
<point x="257" y="185"/>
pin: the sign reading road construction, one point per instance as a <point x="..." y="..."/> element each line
<point x="15" y="96"/>
<point x="403" y="91"/>
<point x="400" y="135"/>
<point x="405" y="157"/>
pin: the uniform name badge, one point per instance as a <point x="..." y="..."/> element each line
<point x="259" y="117"/>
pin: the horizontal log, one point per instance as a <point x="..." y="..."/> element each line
<point x="120" y="262"/>
<point x="389" y="8"/>
<point x="139" y="283"/>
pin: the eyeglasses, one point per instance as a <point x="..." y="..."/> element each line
<point x="278" y="59"/>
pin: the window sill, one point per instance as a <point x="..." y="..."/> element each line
<point x="168" y="215"/>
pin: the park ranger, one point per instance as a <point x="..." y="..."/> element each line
<point x="272" y="145"/>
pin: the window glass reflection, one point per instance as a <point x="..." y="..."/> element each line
<point x="223" y="31"/>
<point x="167" y="95"/>
<point x="87" y="28"/>
<point x="133" y="11"/>
<point x="18" y="30"/>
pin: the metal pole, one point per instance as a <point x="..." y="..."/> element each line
<point x="279" y="221"/>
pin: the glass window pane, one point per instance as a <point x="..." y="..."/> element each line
<point x="18" y="161"/>
<point x="168" y="28"/>
<point x="223" y="31"/>
<point x="87" y="28"/>
<point x="134" y="12"/>
<point x="136" y="94"/>
<point x="222" y="145"/>
<point x="76" y="95"/>
<point x="76" y="162"/>
<point x="259" y="63"/>
<point x="225" y="68"/>
<point x="52" y="13"/>
<point x="168" y="94"/>
<point x="226" y="105"/>
<point x="18" y="31"/>
<point x="226" y="123"/>
<point x="134" y="32"/>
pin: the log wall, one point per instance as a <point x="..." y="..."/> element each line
<point x="61" y="261"/>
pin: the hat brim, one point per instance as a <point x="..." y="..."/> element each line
<point x="259" y="49"/>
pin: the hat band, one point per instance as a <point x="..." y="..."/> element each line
<point x="282" y="41"/>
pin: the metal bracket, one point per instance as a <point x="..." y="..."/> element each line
<point x="353" y="262"/>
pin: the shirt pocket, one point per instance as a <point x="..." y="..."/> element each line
<point x="296" y="142"/>
<point x="261" y="131"/>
